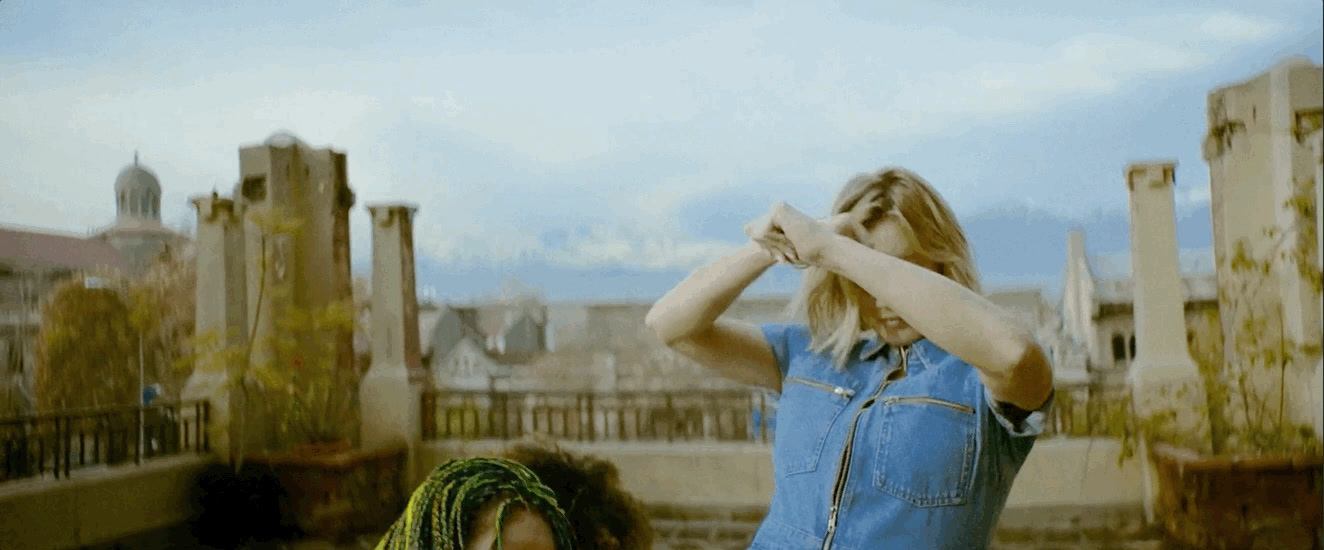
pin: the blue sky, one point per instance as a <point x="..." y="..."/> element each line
<point x="602" y="150"/>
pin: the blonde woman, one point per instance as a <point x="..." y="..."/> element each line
<point x="908" y="401"/>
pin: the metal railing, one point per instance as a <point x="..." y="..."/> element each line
<point x="59" y="443"/>
<point x="599" y="416"/>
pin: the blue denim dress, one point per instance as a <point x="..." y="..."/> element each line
<point x="880" y="456"/>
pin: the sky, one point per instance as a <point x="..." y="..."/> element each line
<point x="601" y="150"/>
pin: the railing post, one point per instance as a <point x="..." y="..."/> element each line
<point x="566" y="420"/>
<point x="96" y="441"/>
<point x="41" y="448"/>
<point x="68" y="445"/>
<point x="716" y="421"/>
<point x="205" y="435"/>
<point x="55" y="448"/>
<point x="427" y="415"/>
<point x="592" y="420"/>
<point x="139" y="429"/>
<point x="505" y="416"/>
<point x="620" y="401"/>
<point x="489" y="432"/>
<point x="82" y="444"/>
<point x="670" y="415"/>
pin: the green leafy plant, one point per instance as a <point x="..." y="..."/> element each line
<point x="1245" y="379"/>
<point x="112" y="331"/>
<point x="86" y="335"/>
<point x="291" y="385"/>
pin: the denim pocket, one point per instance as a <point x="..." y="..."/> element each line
<point x="805" y="412"/>
<point x="926" y="451"/>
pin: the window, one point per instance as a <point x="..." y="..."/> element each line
<point x="145" y="205"/>
<point x="1133" y="346"/>
<point x="1119" y="348"/>
<point x="254" y="188"/>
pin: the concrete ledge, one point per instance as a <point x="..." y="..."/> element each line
<point x="98" y="505"/>
<point x="722" y="475"/>
<point x="1059" y="471"/>
<point x="1065" y="471"/>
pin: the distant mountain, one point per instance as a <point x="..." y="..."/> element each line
<point x="1015" y="247"/>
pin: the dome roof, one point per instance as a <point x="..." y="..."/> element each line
<point x="284" y="138"/>
<point x="135" y="176"/>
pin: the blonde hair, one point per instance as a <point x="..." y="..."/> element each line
<point x="830" y="303"/>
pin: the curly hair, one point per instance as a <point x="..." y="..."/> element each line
<point x="602" y="515"/>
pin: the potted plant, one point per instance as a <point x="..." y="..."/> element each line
<point x="296" y="404"/>
<point x="1253" y="478"/>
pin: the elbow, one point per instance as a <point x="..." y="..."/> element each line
<point x="1021" y="374"/>
<point x="1032" y="375"/>
<point x="658" y="328"/>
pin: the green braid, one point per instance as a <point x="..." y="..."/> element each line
<point x="441" y="508"/>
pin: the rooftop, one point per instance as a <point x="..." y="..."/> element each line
<point x="26" y="248"/>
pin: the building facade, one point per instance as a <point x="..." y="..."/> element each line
<point x="1098" y="314"/>
<point x="1261" y="151"/>
<point x="34" y="261"/>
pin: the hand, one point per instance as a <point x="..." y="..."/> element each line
<point x="764" y="232"/>
<point x="794" y="238"/>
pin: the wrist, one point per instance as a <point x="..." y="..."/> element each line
<point x="834" y="251"/>
<point x="753" y="252"/>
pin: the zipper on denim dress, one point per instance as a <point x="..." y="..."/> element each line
<point x="928" y="400"/>
<point x="843" y="392"/>
<point x="843" y="467"/>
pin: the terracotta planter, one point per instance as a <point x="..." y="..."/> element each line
<point x="335" y="492"/>
<point x="321" y="448"/>
<point x="1236" y="502"/>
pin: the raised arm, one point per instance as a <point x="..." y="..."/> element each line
<point x="688" y="320"/>
<point x="1009" y="361"/>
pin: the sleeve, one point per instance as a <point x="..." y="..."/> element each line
<point x="779" y="338"/>
<point x="1017" y="421"/>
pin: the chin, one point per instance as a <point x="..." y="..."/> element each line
<point x="900" y="337"/>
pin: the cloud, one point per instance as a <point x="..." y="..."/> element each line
<point x="586" y="247"/>
<point x="610" y="144"/>
<point x="449" y="105"/>
<point x="1229" y="27"/>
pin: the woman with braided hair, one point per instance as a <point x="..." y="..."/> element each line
<point x="481" y="503"/>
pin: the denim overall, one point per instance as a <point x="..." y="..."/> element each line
<point x="885" y="456"/>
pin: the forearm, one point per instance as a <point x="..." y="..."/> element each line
<point x="953" y="317"/>
<point x="697" y="301"/>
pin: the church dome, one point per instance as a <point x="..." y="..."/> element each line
<point x="135" y="177"/>
<point x="137" y="194"/>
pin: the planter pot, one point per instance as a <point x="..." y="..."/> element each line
<point x="321" y="448"/>
<point x="1239" y="502"/>
<point x="335" y="493"/>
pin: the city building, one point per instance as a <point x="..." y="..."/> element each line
<point x="33" y="261"/>
<point x="137" y="232"/>
<point x="1098" y="315"/>
<point x="1262" y="149"/>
